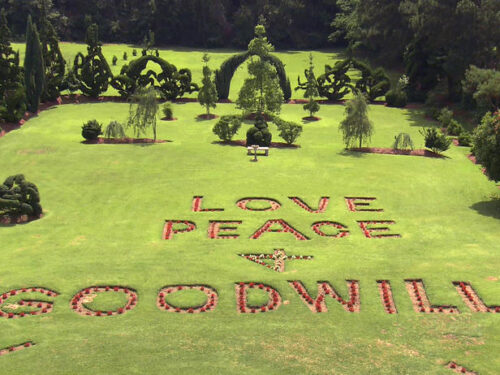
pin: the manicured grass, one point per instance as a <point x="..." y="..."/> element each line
<point x="105" y="210"/>
<point x="106" y="205"/>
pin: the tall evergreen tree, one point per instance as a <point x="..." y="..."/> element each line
<point x="208" y="92"/>
<point x="34" y="67"/>
<point x="52" y="56"/>
<point x="92" y="71"/>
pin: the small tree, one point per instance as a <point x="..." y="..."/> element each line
<point x="486" y="140"/>
<point x="34" y="68"/>
<point x="143" y="110"/>
<point x="114" y="130"/>
<point x="310" y="88"/>
<point x="92" y="71"/>
<point x="402" y="141"/>
<point x="207" y="96"/>
<point x="435" y="140"/>
<point x="148" y="43"/>
<point x="356" y="126"/>
<point x="289" y="131"/>
<point x="261" y="92"/>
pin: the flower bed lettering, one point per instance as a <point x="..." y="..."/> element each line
<point x="244" y="204"/>
<point x="274" y="298"/>
<point x="25" y="307"/>
<point x="322" y="206"/>
<point x="459" y="369"/>
<point x="209" y="305"/>
<point x="87" y="295"/>
<point x="278" y="257"/>
<point x="359" y="204"/>
<point x="384" y="287"/>
<point x="369" y="230"/>
<point x="218" y="230"/>
<point x="341" y="229"/>
<point x="420" y="301"/>
<point x="472" y="299"/>
<point x="270" y="227"/>
<point x="16" y="348"/>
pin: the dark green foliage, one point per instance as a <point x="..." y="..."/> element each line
<point x="312" y="107"/>
<point x="34" y="68"/>
<point x="486" y="141"/>
<point x="13" y="105"/>
<point x="225" y="73"/>
<point x="143" y="111"/>
<point x="435" y="140"/>
<point x="125" y="56"/>
<point x="92" y="71"/>
<point x="259" y="134"/>
<point x="170" y="82"/>
<point x="335" y="83"/>
<point x="52" y="56"/>
<point x="168" y="111"/>
<point x="481" y="89"/>
<point x="356" y="126"/>
<point x="157" y="53"/>
<point x="396" y="98"/>
<point x="134" y="52"/>
<point x="289" y="131"/>
<point x="465" y="139"/>
<point x="19" y="197"/>
<point x="91" y="130"/>
<point x="207" y="96"/>
<point x="227" y="127"/>
<point x="310" y="88"/>
<point x="454" y="128"/>
<point x="373" y="82"/>
<point x="115" y="60"/>
<point x="114" y="130"/>
<point x="445" y="117"/>
<point x="403" y="141"/>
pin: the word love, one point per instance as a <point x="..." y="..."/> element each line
<point x="30" y="302"/>
<point x="227" y="229"/>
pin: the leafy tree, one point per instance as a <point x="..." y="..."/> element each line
<point x="207" y="96"/>
<point x="486" y="140"/>
<point x="143" y="110"/>
<point x="52" y="56"/>
<point x="356" y="126"/>
<point x="310" y="88"/>
<point x="114" y="130"/>
<point x="261" y="92"/>
<point x="481" y="89"/>
<point x="12" y="93"/>
<point x="227" y="127"/>
<point x="34" y="68"/>
<point x="92" y="71"/>
<point x="288" y="130"/>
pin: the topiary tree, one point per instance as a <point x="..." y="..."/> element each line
<point x="12" y="92"/>
<point x="92" y="71"/>
<point x="34" y="68"/>
<point x="288" y="130"/>
<point x="373" y="82"/>
<point x="486" y="140"/>
<point x="261" y="92"/>
<point x="435" y="140"/>
<point x="227" y="127"/>
<point x="55" y="65"/>
<point x="356" y="126"/>
<point x="91" y="130"/>
<point x="169" y="82"/>
<point x="19" y="197"/>
<point x="143" y="111"/>
<point x="259" y="134"/>
<point x="207" y="96"/>
<point x="310" y="88"/>
<point x="335" y="83"/>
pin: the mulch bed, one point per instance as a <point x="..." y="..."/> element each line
<point x="243" y="143"/>
<point x="17" y="219"/>
<point x="311" y="118"/>
<point x="390" y="151"/>
<point x="207" y="117"/>
<point x="123" y="141"/>
<point x="169" y="119"/>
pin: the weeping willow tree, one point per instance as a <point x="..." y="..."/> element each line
<point x="143" y="111"/>
<point x="356" y="126"/>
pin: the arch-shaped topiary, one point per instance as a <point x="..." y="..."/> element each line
<point x="225" y="73"/>
<point x="170" y="82"/>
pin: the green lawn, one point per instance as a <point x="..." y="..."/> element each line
<point x="105" y="208"/>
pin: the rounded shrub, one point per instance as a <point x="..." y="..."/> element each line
<point x="227" y="127"/>
<point x="445" y="117"/>
<point x="289" y="131"/>
<point x="396" y="98"/>
<point x="454" y="128"/>
<point x="91" y="130"/>
<point x="125" y="56"/>
<point x="134" y="52"/>
<point x="115" y="60"/>
<point x="435" y="140"/>
<point x="465" y="139"/>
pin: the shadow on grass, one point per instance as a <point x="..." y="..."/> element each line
<point x="489" y="208"/>
<point x="416" y="117"/>
<point x="355" y="154"/>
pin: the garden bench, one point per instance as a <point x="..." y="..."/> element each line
<point x="264" y="149"/>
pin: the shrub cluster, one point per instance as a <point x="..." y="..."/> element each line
<point x="227" y="127"/>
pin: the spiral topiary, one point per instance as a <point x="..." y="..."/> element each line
<point x="259" y="134"/>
